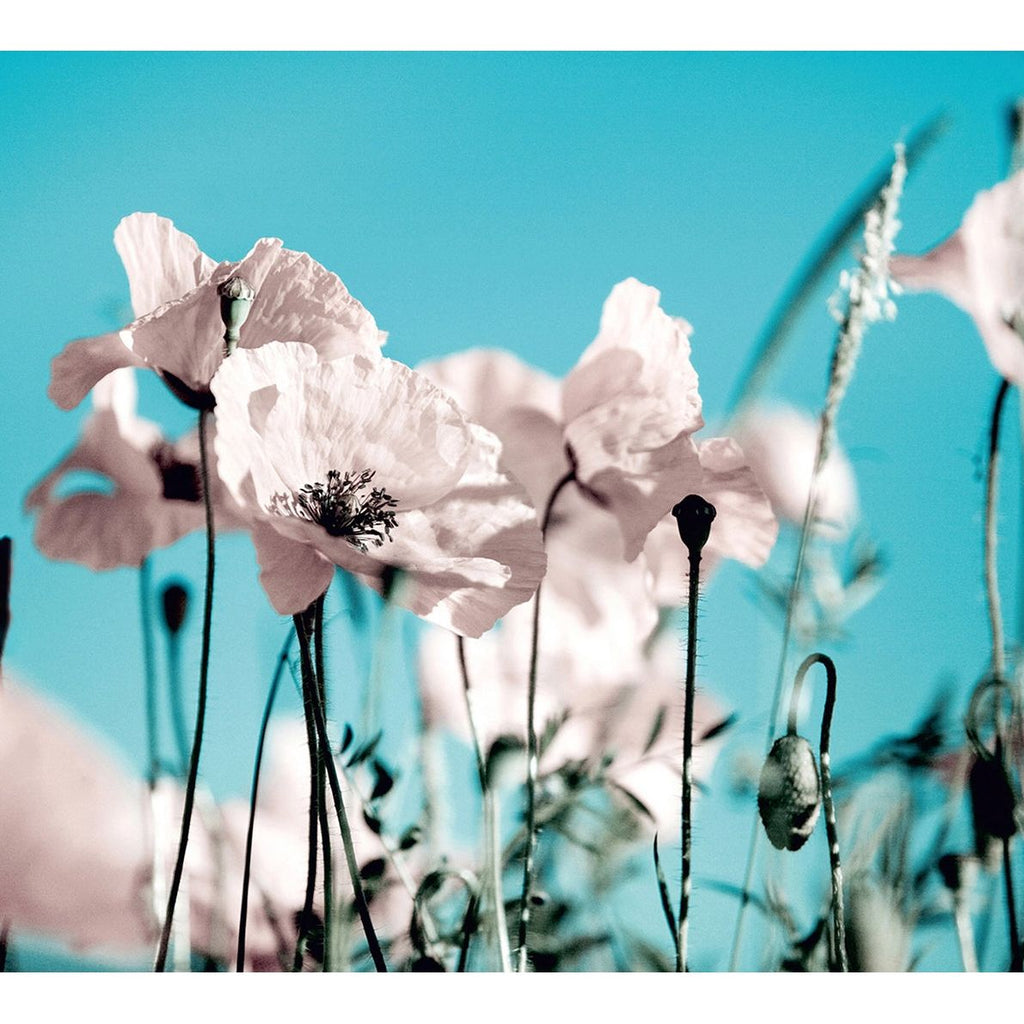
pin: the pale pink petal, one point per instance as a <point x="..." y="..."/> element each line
<point x="299" y="300"/>
<point x="781" y="444"/>
<point x="293" y="574"/>
<point x="85" y="362"/>
<point x="360" y="413"/>
<point x="162" y="262"/>
<point x="74" y="856"/>
<point x="473" y="555"/>
<point x="488" y="383"/>
<point x="745" y="529"/>
<point x="981" y="269"/>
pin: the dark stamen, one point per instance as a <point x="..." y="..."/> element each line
<point x="340" y="507"/>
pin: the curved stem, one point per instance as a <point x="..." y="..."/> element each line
<point x="532" y="756"/>
<point x="282" y="661"/>
<point x="838" y="915"/>
<point x="339" y="804"/>
<point x="491" y="823"/>
<point x="204" y="665"/>
<point x="686" y="828"/>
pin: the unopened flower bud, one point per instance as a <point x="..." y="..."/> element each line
<point x="694" y="516"/>
<point x="236" y="297"/>
<point x="992" y="807"/>
<point x="788" y="797"/>
<point x="175" y="605"/>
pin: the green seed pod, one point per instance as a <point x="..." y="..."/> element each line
<point x="789" y="795"/>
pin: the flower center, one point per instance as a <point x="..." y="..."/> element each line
<point x="343" y="508"/>
<point x="180" y="479"/>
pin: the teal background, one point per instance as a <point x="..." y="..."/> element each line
<point x="494" y="199"/>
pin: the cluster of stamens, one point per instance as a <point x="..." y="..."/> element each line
<point x="342" y="508"/>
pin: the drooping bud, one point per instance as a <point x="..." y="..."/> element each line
<point x="236" y="297"/>
<point x="174" y="599"/>
<point x="789" y="796"/>
<point x="694" y="516"/>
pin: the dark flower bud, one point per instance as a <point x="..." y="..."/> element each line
<point x="694" y="516"/>
<point x="236" y="297"/>
<point x="789" y="795"/>
<point x="992" y="806"/>
<point x="958" y="871"/>
<point x="175" y="604"/>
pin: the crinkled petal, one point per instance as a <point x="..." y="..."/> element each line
<point x="299" y="300"/>
<point x="360" y="413"/>
<point x="162" y="263"/>
<point x="85" y="362"/>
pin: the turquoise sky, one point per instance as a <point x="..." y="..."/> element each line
<point x="494" y="199"/>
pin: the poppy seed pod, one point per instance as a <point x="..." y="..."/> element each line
<point x="789" y="794"/>
<point x="236" y="298"/>
<point x="694" y="516"/>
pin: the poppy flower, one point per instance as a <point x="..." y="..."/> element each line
<point x="136" y="491"/>
<point x="360" y="462"/>
<point x="178" y="330"/>
<point x="980" y="267"/>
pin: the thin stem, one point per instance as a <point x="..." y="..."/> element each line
<point x="491" y="821"/>
<point x="321" y="796"/>
<point x="991" y="535"/>
<point x="686" y="827"/>
<point x="149" y="672"/>
<point x="532" y="756"/>
<point x="1011" y="909"/>
<point x="312" y="843"/>
<point x="964" y="934"/>
<point x="282" y="662"/>
<point x="204" y="665"/>
<point x="339" y="804"/>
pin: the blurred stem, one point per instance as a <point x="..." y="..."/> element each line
<point x="313" y="705"/>
<point x="282" y="662"/>
<point x="991" y="536"/>
<point x="149" y="671"/>
<point x="204" y="664"/>
<point x="177" y="698"/>
<point x="964" y="933"/>
<point x="686" y="827"/>
<point x="491" y="823"/>
<point x="532" y="756"/>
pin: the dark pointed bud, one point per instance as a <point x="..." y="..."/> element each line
<point x="175" y="604"/>
<point x="789" y="795"/>
<point x="236" y="296"/>
<point x="992" y="808"/>
<point x="694" y="516"/>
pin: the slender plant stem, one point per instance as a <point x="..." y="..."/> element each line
<point x="204" y="665"/>
<point x="321" y="794"/>
<point x="177" y="700"/>
<point x="964" y="933"/>
<point x="686" y="827"/>
<point x="991" y="536"/>
<point x="312" y="842"/>
<point x="491" y="822"/>
<point x="532" y="755"/>
<point x="339" y="803"/>
<point x="1011" y="909"/>
<point x="149" y="670"/>
<point x="282" y="662"/>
